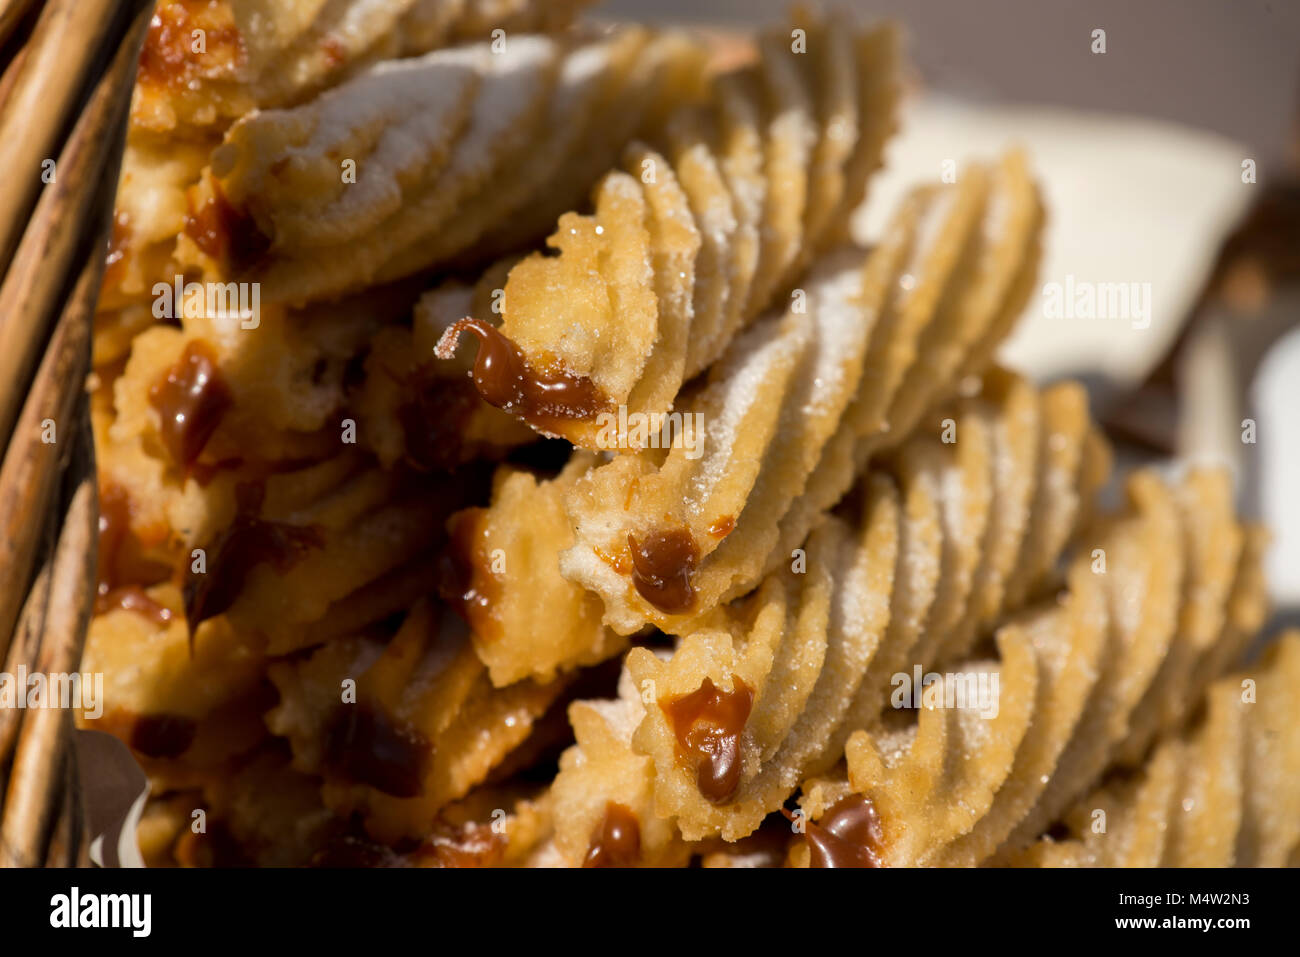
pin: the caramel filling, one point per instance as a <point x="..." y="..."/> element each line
<point x="617" y="842"/>
<point x="708" y="723"/>
<point x="163" y="735"/>
<point x="167" y="57"/>
<point x="540" y="397"/>
<point x="433" y="418"/>
<point x="723" y="526"/>
<point x="468" y="582"/>
<point x="228" y="235"/>
<point x="470" y="845"/>
<point x="467" y="845"/>
<point x="365" y="746"/>
<point x="122" y="570"/>
<point x="191" y="401"/>
<point x="662" y="564"/>
<point x="849" y="835"/>
<point x="232" y="554"/>
<point x="115" y="259"/>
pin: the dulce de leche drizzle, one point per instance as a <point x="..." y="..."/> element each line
<point x="505" y="378"/>
<point x="662" y="563"/>
<point x="247" y="542"/>
<point x="122" y="570"/>
<point x="115" y="260"/>
<point x="167" y="57"/>
<point x="228" y="235"/>
<point x="849" y="835"/>
<point x="617" y="843"/>
<point x="468" y="584"/>
<point x="191" y="400"/>
<point x="163" y="735"/>
<point x="723" y="526"/>
<point x="471" y="844"/>
<point x="433" y="418"/>
<point x="364" y="745"/>
<point x="708" y="723"/>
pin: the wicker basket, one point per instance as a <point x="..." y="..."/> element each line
<point x="66" y="73"/>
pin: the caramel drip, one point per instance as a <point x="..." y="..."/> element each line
<point x="617" y="843"/>
<point x="723" y="527"/>
<point x="466" y="845"/>
<point x="620" y="563"/>
<point x="115" y="258"/>
<point x="433" y="418"/>
<point x="504" y="378"/>
<point x="122" y="571"/>
<point x="662" y="564"/>
<point x="249" y="541"/>
<point x="849" y="835"/>
<point x="163" y="735"/>
<point x="228" y="235"/>
<point x="364" y="745"/>
<point x="167" y="57"/>
<point x="708" y="723"/>
<point x="470" y="845"/>
<point x="114" y="527"/>
<point x="191" y="401"/>
<point x="468" y="582"/>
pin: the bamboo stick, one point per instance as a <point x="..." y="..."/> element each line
<point x="12" y="13"/>
<point x="30" y="470"/>
<point x="61" y="55"/>
<point x="74" y="45"/>
<point x="37" y="274"/>
<point x="43" y="746"/>
<point x="65" y="838"/>
<point x="23" y="652"/>
<point x="9" y="73"/>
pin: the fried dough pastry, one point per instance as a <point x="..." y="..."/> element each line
<point x="604" y="794"/>
<point x="281" y="554"/>
<point x="1226" y="793"/>
<point x="425" y="724"/>
<point x="257" y="54"/>
<point x="413" y="409"/>
<point x="1082" y="682"/>
<point x="304" y="384"/>
<point x="149" y="211"/>
<point x="251" y="811"/>
<point x="691" y="239"/>
<point x="939" y="550"/>
<point x="316" y="555"/>
<point x="852" y="370"/>
<point x="197" y="598"/>
<point x="800" y="403"/>
<point x="430" y="141"/>
<point x="527" y="621"/>
<point x="263" y="813"/>
<point x="186" y="712"/>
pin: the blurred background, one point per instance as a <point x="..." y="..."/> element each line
<point x="1227" y="66"/>
<point x="1171" y="160"/>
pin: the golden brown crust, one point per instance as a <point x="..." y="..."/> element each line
<point x="1077" y="676"/>
<point x="758" y="181"/>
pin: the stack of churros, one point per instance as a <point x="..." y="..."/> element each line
<point x="508" y="457"/>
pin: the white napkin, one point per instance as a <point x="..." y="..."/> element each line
<point x="1129" y="200"/>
